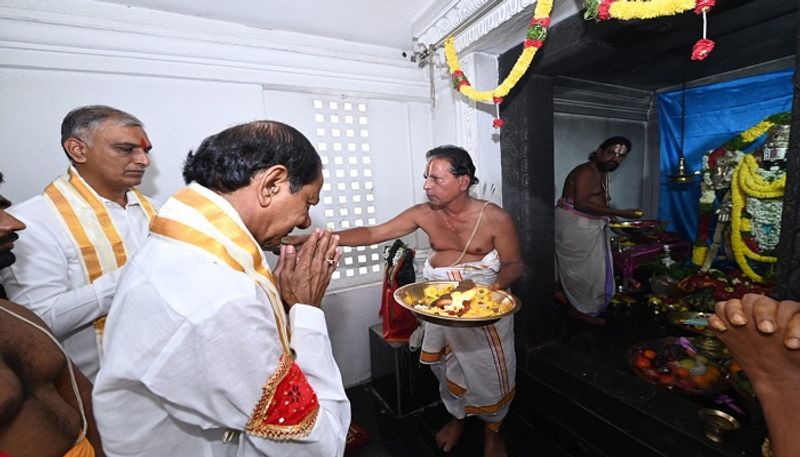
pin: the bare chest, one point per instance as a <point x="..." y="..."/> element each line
<point x="459" y="237"/>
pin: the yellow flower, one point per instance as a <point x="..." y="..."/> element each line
<point x="754" y="185"/>
<point x="699" y="254"/>
<point x="626" y="10"/>
<point x="745" y="225"/>
<point x="542" y="10"/>
<point x="740" y="250"/>
<point x="756" y="131"/>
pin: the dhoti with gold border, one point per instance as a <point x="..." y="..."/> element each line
<point x="476" y="366"/>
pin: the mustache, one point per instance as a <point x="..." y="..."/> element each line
<point x="609" y="165"/>
<point x="9" y="238"/>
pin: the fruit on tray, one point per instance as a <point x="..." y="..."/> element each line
<point x="675" y="364"/>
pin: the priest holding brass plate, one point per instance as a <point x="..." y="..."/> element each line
<point x="456" y="304"/>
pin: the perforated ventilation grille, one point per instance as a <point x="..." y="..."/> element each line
<point x="347" y="200"/>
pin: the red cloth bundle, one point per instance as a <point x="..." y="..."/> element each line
<point x="398" y="322"/>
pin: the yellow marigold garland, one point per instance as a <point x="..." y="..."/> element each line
<point x="699" y="254"/>
<point x="627" y="10"/>
<point x="747" y="182"/>
<point x="537" y="33"/>
<point x="756" y="186"/>
<point x="754" y="132"/>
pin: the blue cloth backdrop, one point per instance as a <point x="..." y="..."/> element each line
<point x="715" y="113"/>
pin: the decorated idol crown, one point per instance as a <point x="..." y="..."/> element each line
<point x="776" y="146"/>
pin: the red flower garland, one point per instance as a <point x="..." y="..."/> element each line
<point x="702" y="6"/>
<point x="702" y="49"/>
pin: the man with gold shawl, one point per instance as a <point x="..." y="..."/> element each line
<point x="207" y="351"/>
<point x="83" y="229"/>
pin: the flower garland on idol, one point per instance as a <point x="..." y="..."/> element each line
<point x="626" y="10"/>
<point x="730" y="154"/>
<point x="751" y="185"/>
<point x="535" y="37"/>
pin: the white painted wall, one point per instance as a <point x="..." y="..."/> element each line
<point x="462" y="122"/>
<point x="177" y="114"/>
<point x="572" y="150"/>
<point x="186" y="78"/>
<point x="400" y="134"/>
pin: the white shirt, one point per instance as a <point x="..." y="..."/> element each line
<point x="48" y="276"/>
<point x="189" y="345"/>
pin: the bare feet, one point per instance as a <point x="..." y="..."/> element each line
<point x="493" y="445"/>
<point x="447" y="436"/>
<point x="561" y="297"/>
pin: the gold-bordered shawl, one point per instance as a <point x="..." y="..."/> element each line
<point x="288" y="407"/>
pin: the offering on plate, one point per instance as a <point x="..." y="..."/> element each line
<point x="467" y="299"/>
<point x="692" y="321"/>
<point x="675" y="364"/>
<point x="697" y="322"/>
<point x="455" y="303"/>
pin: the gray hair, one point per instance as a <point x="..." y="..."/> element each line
<point x="82" y="122"/>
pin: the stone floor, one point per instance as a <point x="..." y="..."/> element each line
<point x="575" y="397"/>
<point x="413" y="435"/>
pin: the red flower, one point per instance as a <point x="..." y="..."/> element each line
<point x="702" y="49"/>
<point x="543" y="21"/>
<point x="602" y="10"/>
<point x="724" y="292"/>
<point x="497" y="123"/>
<point x="534" y="43"/>
<point x="752" y="244"/>
<point x="703" y="6"/>
<point x="716" y="154"/>
<point x="497" y="100"/>
<point x="740" y="290"/>
<point x="703" y="227"/>
<point x="463" y="82"/>
<point x="458" y="73"/>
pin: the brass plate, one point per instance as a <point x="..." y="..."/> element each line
<point x="692" y="321"/>
<point x="638" y="224"/>
<point x="409" y="294"/>
<point x="642" y="228"/>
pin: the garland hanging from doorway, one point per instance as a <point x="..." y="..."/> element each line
<point x="534" y="39"/>
<point x="626" y="10"/>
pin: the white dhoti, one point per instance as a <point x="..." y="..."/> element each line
<point x="475" y="366"/>
<point x="584" y="260"/>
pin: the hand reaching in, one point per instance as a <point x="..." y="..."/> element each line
<point x="761" y="311"/>
<point x="761" y="333"/>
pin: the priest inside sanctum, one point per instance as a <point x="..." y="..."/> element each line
<point x="467" y="228"/>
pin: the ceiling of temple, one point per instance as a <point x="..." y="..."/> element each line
<point x="384" y="23"/>
<point x="648" y="55"/>
<point x="655" y="54"/>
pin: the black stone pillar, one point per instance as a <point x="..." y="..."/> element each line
<point x="528" y="194"/>
<point x="788" y="270"/>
